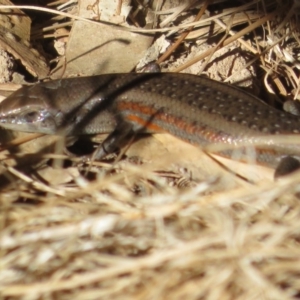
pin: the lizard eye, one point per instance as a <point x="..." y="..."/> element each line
<point x="36" y="120"/>
<point x="32" y="116"/>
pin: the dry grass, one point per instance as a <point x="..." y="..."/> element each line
<point x="99" y="240"/>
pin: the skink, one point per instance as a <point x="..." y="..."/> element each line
<point x="195" y="109"/>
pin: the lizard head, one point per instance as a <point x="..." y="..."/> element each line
<point x="25" y="111"/>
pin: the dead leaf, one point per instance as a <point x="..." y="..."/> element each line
<point x="97" y="49"/>
<point x="14" y="38"/>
